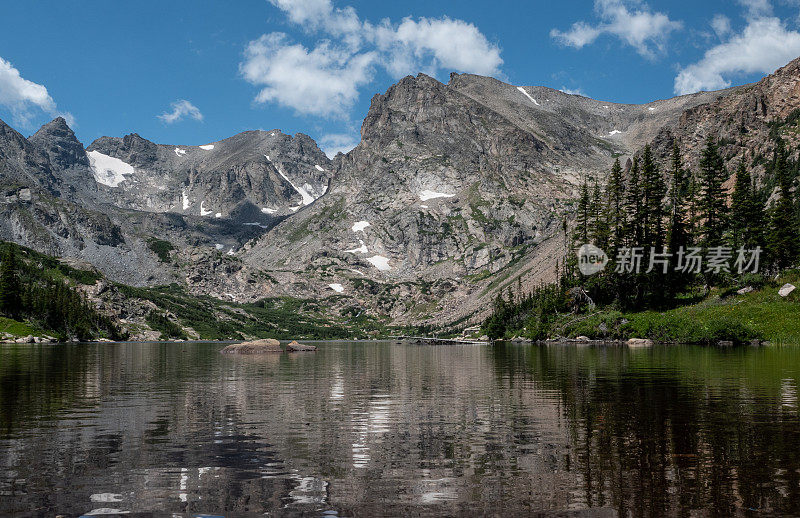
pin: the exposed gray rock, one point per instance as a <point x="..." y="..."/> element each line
<point x="294" y="346"/>
<point x="267" y="345"/>
<point x="456" y="192"/>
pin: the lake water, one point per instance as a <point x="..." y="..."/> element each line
<point x="372" y="429"/>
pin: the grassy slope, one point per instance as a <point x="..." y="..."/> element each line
<point x="211" y="318"/>
<point x="761" y="314"/>
<point x="282" y="318"/>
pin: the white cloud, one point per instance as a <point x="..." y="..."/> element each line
<point x="20" y="96"/>
<point x="180" y="109"/>
<point x="576" y="91"/>
<point x="437" y="44"/>
<point x="757" y="8"/>
<point x="338" y="143"/>
<point x="644" y="30"/>
<point x="325" y="80"/>
<point x="721" y="25"/>
<point x="764" y="45"/>
<point x="320" y="14"/>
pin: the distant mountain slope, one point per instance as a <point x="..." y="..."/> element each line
<point x="456" y="185"/>
<point x="742" y="122"/>
<point x="455" y="191"/>
<point x="251" y="177"/>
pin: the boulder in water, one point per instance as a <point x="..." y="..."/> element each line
<point x="294" y="347"/>
<point x="640" y="342"/>
<point x="267" y="345"/>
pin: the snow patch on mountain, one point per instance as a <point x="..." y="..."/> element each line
<point x="614" y="132"/>
<point x="432" y="195"/>
<point x="108" y="170"/>
<point x="267" y="210"/>
<point x="319" y="168"/>
<point x="185" y="198"/>
<point x="307" y="198"/>
<point x="528" y="95"/>
<point x="338" y="288"/>
<point x="203" y="211"/>
<point x="179" y="151"/>
<point x="360" y="250"/>
<point x="207" y="147"/>
<point x="380" y="262"/>
<point x="359" y="226"/>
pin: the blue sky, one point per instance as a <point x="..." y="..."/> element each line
<point x="193" y="72"/>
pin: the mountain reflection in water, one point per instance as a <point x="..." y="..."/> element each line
<point x="385" y="429"/>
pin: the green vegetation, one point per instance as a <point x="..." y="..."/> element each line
<point x="214" y="319"/>
<point x="162" y="249"/>
<point x="168" y="328"/>
<point x="661" y="215"/>
<point x="39" y="295"/>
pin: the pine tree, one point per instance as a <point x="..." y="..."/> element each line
<point x="679" y="231"/>
<point x="600" y="222"/>
<point x="615" y="208"/>
<point x="693" y="208"/>
<point x="584" y="217"/>
<point x="783" y="237"/>
<point x="712" y="197"/>
<point x="653" y="192"/>
<point x="741" y="208"/>
<point x="679" y="226"/>
<point x="634" y="207"/>
<point x="10" y="297"/>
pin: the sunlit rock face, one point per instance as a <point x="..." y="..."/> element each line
<point x="455" y="191"/>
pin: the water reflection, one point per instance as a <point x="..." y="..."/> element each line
<point x="374" y="429"/>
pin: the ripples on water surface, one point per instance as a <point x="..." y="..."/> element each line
<point x="367" y="429"/>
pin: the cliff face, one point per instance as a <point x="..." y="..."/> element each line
<point x="455" y="191"/>
<point x="742" y="121"/>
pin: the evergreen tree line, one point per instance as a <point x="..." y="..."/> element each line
<point x="678" y="209"/>
<point x="27" y="292"/>
<point x="666" y="207"/>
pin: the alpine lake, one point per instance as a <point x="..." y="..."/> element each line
<point x="399" y="429"/>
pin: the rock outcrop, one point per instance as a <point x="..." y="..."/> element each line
<point x="264" y="346"/>
<point x="455" y="192"/>
<point x="294" y="347"/>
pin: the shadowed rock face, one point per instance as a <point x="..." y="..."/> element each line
<point x="458" y="182"/>
<point x="455" y="191"/>
<point x="253" y="177"/>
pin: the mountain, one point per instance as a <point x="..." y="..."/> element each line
<point x="254" y="177"/>
<point x="742" y="123"/>
<point x="455" y="192"/>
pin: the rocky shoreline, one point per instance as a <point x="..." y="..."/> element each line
<point x="631" y="342"/>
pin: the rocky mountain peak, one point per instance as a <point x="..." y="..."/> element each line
<point x="57" y="140"/>
<point x="11" y="141"/>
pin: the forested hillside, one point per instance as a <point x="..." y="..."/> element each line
<point x="675" y="237"/>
